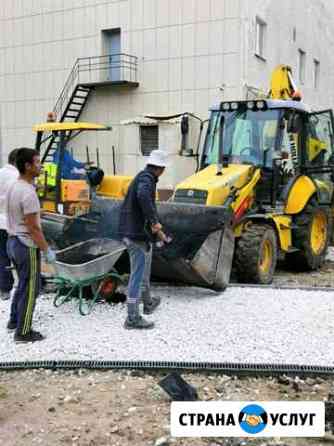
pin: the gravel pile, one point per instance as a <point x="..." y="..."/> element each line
<point x="192" y="324"/>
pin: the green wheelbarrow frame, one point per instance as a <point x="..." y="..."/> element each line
<point x="85" y="264"/>
<point x="73" y="285"/>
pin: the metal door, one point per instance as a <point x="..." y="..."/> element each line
<point x="115" y="55"/>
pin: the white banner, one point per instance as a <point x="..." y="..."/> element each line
<point x="248" y="419"/>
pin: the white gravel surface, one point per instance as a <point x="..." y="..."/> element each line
<point x="240" y="325"/>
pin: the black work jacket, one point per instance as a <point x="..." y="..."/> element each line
<point x="139" y="208"/>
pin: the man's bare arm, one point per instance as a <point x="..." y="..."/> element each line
<point x="32" y="223"/>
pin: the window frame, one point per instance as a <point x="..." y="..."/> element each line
<point x="260" y="38"/>
<point x="301" y="66"/>
<point x="316" y="73"/>
<point x="143" y="150"/>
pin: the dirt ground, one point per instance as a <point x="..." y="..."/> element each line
<point x="89" y="408"/>
<point x="114" y="408"/>
<point x="324" y="277"/>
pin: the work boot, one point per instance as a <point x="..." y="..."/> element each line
<point x="4" y="295"/>
<point x="149" y="307"/>
<point x="11" y="326"/>
<point x="32" y="336"/>
<point x="138" y="323"/>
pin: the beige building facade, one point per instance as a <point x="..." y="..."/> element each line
<point x="152" y="57"/>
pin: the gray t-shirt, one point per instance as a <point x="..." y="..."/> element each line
<point x="21" y="200"/>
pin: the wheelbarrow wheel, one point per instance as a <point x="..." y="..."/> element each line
<point x="105" y="288"/>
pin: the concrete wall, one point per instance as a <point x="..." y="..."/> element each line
<point x="179" y="167"/>
<point x="191" y="53"/>
<point x="291" y="26"/>
<point x="186" y="50"/>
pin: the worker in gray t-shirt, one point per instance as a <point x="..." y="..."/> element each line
<point x="25" y="242"/>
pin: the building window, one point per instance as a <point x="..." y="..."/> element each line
<point x="149" y="138"/>
<point x="260" y="36"/>
<point x="316" y="73"/>
<point x="301" y="65"/>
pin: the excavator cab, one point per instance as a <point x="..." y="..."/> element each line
<point x="249" y="134"/>
<point x="70" y="196"/>
<point x="279" y="137"/>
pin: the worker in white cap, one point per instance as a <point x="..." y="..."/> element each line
<point x="138" y="222"/>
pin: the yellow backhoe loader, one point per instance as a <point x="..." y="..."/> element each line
<point x="272" y="161"/>
<point x="264" y="187"/>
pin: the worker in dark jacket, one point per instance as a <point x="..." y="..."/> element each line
<point x="138" y="221"/>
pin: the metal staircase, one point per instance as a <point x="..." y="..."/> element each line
<point x="87" y="74"/>
<point x="76" y="104"/>
<point x="72" y="113"/>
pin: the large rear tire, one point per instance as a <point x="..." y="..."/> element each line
<point x="256" y="254"/>
<point x="311" y="237"/>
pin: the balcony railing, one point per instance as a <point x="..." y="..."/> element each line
<point x="113" y="69"/>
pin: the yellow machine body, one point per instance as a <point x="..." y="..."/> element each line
<point x="114" y="186"/>
<point x="75" y="190"/>
<point x="281" y="83"/>
<point x="48" y="206"/>
<point x="242" y="179"/>
<point x="218" y="187"/>
<point x="69" y="126"/>
<point x="299" y="195"/>
<point x="315" y="147"/>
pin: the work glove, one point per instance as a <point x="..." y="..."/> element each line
<point x="50" y="256"/>
<point x="163" y="239"/>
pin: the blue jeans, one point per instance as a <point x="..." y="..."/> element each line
<point x="6" y="276"/>
<point x="140" y="254"/>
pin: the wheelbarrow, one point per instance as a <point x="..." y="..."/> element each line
<point x="84" y="264"/>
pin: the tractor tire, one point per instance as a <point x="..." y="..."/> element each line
<point x="311" y="236"/>
<point x="256" y="254"/>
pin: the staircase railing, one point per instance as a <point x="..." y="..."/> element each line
<point x="112" y="68"/>
<point x="67" y="90"/>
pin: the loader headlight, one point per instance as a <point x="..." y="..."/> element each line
<point x="250" y="105"/>
<point x="234" y="106"/>
<point x="226" y="106"/>
<point x="260" y="105"/>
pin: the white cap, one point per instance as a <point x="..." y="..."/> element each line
<point x="158" y="158"/>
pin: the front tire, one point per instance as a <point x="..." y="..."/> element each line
<point x="311" y="237"/>
<point x="256" y="254"/>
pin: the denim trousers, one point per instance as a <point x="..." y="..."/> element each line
<point x="140" y="254"/>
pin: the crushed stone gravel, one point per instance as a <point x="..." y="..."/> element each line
<point x="250" y="325"/>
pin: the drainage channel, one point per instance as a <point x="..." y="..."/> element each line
<point x="236" y="369"/>
<point x="281" y="287"/>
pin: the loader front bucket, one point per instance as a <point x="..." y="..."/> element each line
<point x="201" y="251"/>
<point x="203" y="245"/>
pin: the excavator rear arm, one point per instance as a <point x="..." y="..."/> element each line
<point x="282" y="85"/>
